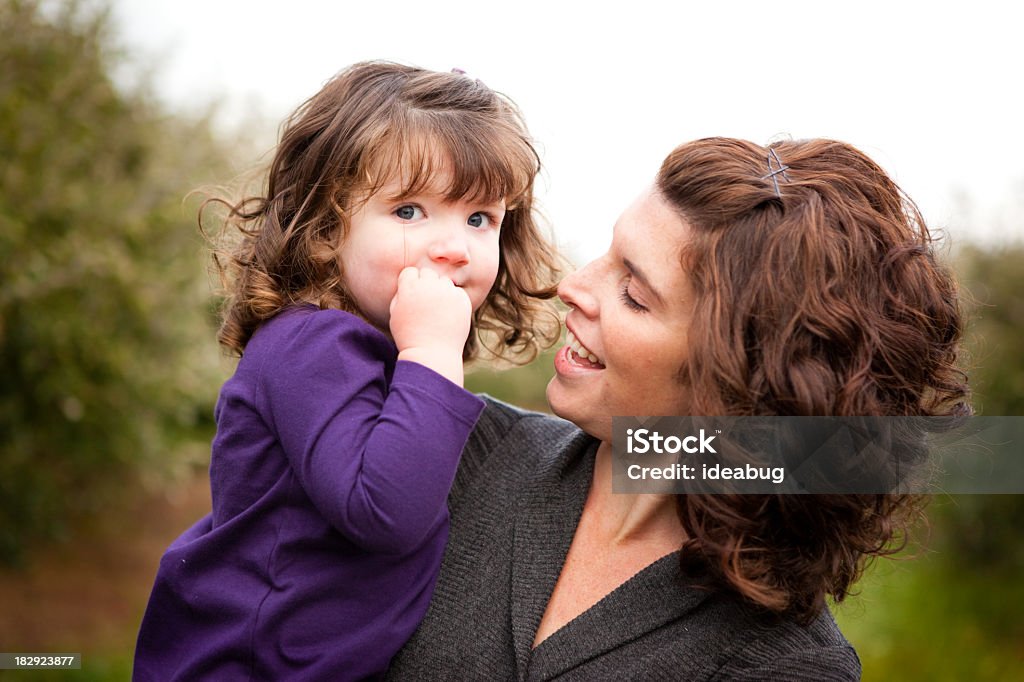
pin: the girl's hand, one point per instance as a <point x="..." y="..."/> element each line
<point x="430" y="320"/>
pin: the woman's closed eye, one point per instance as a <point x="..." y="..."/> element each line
<point x="628" y="299"/>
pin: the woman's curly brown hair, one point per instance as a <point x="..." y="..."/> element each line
<point x="372" y="122"/>
<point x="820" y="295"/>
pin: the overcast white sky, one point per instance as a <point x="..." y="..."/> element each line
<point x="931" y="90"/>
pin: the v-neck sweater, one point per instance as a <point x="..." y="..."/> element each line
<point x="516" y="502"/>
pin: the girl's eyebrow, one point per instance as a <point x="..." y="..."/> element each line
<point x="496" y="204"/>
<point x="638" y="274"/>
<point x="406" y="197"/>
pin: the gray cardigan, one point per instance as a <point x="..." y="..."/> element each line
<point x="517" y="498"/>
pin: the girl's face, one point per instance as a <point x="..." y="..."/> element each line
<point x="629" y="312"/>
<point x="457" y="240"/>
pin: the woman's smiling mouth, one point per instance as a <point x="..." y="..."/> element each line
<point x="580" y="354"/>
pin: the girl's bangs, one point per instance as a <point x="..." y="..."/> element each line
<point x="453" y="159"/>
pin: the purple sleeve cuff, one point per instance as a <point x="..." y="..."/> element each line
<point x="456" y="400"/>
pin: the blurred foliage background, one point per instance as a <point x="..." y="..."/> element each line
<point x="109" y="371"/>
<point x="104" y="335"/>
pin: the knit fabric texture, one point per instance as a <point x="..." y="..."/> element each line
<point x="515" y="504"/>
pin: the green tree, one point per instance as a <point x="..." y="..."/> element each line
<point x="994" y="279"/>
<point x="985" y="533"/>
<point x="105" y="351"/>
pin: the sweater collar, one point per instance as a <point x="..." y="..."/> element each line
<point x="546" y="517"/>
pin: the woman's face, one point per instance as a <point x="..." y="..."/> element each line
<point x="627" y="324"/>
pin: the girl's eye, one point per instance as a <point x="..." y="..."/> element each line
<point x="630" y="302"/>
<point x="409" y="212"/>
<point x="480" y="220"/>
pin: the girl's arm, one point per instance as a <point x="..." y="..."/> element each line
<point x="377" y="461"/>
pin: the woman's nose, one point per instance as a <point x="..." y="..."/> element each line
<point x="576" y="290"/>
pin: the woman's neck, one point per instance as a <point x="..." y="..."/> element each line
<point x="629" y="517"/>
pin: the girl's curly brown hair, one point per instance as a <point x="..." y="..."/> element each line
<point x="372" y="122"/>
<point x="820" y="295"/>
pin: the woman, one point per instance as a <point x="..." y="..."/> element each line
<point x="793" y="280"/>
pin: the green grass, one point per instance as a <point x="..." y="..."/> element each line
<point x="919" y="619"/>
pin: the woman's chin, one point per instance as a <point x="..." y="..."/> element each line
<point x="574" y="406"/>
<point x="560" y="398"/>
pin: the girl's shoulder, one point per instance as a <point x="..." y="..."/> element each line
<point x="307" y="325"/>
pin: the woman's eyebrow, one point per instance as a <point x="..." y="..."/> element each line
<point x="638" y="274"/>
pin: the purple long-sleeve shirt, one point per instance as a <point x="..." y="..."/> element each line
<point x="329" y="473"/>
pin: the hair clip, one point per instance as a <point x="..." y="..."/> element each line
<point x="458" y="71"/>
<point x="776" y="171"/>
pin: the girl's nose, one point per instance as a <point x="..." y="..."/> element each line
<point x="449" y="246"/>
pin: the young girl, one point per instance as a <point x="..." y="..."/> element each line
<point x="397" y="225"/>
